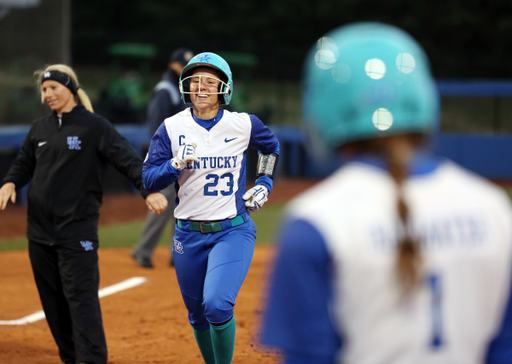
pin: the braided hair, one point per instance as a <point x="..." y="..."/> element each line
<point x="397" y="151"/>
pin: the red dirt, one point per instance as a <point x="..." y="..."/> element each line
<point x="145" y="324"/>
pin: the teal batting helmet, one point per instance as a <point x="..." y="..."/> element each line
<point x="208" y="59"/>
<point x="367" y="80"/>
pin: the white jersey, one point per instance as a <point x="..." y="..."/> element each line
<point x="212" y="188"/>
<point x="208" y="187"/>
<point x="465" y="228"/>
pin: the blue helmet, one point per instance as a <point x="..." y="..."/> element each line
<point x="208" y="59"/>
<point x="367" y="80"/>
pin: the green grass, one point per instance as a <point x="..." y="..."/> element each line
<point x="127" y="234"/>
<point x="13" y="244"/>
<point x="120" y="235"/>
<point x="267" y="222"/>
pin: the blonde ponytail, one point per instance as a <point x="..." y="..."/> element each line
<point x="84" y="99"/>
<point x="81" y="97"/>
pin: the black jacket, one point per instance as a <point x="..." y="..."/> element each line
<point x="65" y="166"/>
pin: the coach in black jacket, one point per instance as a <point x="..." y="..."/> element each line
<point x="66" y="164"/>
<point x="64" y="157"/>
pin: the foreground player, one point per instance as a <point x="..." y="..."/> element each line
<point x="214" y="236"/>
<point x="398" y="257"/>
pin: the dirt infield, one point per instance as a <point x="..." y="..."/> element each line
<point x="144" y="324"/>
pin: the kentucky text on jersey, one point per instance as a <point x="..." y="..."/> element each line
<point x="213" y="162"/>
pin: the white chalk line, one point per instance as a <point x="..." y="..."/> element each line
<point x="118" y="287"/>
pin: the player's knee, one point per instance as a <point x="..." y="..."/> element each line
<point x="199" y="323"/>
<point x="196" y="314"/>
<point x="218" y="310"/>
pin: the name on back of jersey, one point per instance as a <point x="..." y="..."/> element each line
<point x="456" y="231"/>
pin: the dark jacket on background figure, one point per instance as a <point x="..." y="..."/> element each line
<point x="165" y="101"/>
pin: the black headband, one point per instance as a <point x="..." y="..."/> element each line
<point x="62" y="78"/>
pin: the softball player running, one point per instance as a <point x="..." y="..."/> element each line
<point x="203" y="149"/>
<point x="399" y="257"/>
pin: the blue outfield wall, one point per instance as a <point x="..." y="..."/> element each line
<point x="488" y="155"/>
<point x="11" y="137"/>
<point x="475" y="88"/>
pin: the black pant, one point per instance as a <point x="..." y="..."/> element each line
<point x="67" y="278"/>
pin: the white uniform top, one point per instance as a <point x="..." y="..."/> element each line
<point x="212" y="188"/>
<point x="465" y="227"/>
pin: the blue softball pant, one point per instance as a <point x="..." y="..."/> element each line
<point x="210" y="269"/>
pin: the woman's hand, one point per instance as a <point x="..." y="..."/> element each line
<point x="156" y="202"/>
<point x="8" y="191"/>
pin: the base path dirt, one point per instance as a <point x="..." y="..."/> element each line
<point x="146" y="324"/>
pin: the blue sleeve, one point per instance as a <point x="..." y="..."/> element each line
<point x="500" y="349"/>
<point x="262" y="137"/>
<point x="265" y="181"/>
<point x="297" y="319"/>
<point x="266" y="142"/>
<point x="157" y="171"/>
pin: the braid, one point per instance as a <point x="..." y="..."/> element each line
<point x="398" y="150"/>
<point x="408" y="260"/>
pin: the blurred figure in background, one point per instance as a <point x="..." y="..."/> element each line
<point x="165" y="102"/>
<point x="399" y="256"/>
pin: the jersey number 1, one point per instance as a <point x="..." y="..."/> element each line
<point x="434" y="285"/>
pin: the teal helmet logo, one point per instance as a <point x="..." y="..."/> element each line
<point x="367" y="80"/>
<point x="214" y="61"/>
<point x="204" y="58"/>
